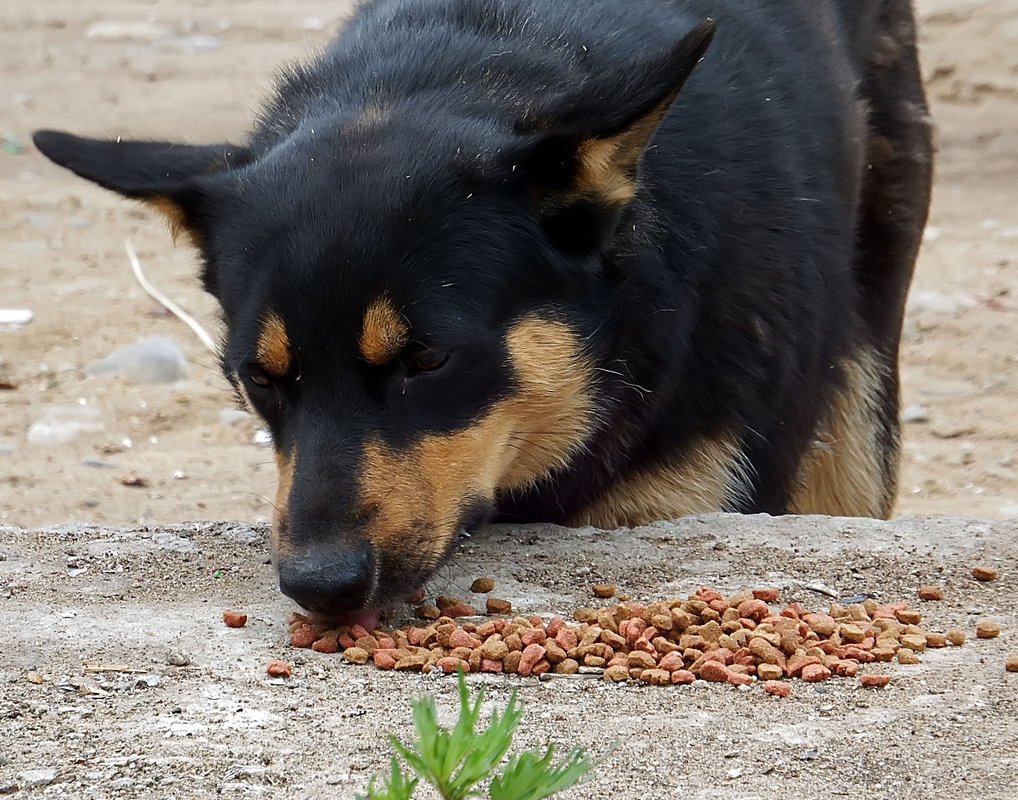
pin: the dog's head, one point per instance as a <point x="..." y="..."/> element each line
<point x="409" y="297"/>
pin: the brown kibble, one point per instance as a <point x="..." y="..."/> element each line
<point x="450" y="664"/>
<point x="304" y="636"/>
<point x="384" y="659"/>
<point x="714" y="671"/>
<point x="234" y="619"/>
<point x="460" y="638"/>
<point x="511" y="663"/>
<point x="908" y="617"/>
<point x="874" y="681"/>
<point x="936" y="640"/>
<point x="914" y="643"/>
<point x="768" y="595"/>
<point x="777" y="688"/>
<point x="931" y="593"/>
<point x="494" y="649"/>
<point x="616" y="674"/>
<point x="737" y="678"/>
<point x="656" y="677"/>
<point x="428" y="611"/>
<point x="753" y="609"/>
<point x="987" y="630"/>
<point x="1011" y="664"/>
<point x="328" y="645"/>
<point x="908" y="657"/>
<point x="460" y="610"/>
<point x="358" y="655"/>
<point x="815" y="673"/>
<point x="821" y="624"/>
<point x="604" y="590"/>
<point x="529" y="658"/>
<point x="956" y="637"/>
<point x="482" y="585"/>
<point x="683" y="677"/>
<point x="279" y="669"/>
<point x="496" y="605"/>
<point x="769" y="672"/>
<point x="444" y="601"/>
<point x="984" y="573"/>
<point x="566" y="666"/>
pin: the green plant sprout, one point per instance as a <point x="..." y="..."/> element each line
<point x="455" y="761"/>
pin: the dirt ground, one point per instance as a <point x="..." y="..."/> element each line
<point x="76" y="596"/>
<point x="193" y="69"/>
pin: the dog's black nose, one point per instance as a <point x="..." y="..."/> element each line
<point x="329" y="581"/>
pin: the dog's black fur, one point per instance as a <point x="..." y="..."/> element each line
<point x="443" y="155"/>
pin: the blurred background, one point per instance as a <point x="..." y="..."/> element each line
<point x="88" y="435"/>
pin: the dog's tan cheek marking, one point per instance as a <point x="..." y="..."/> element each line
<point x="175" y="219"/>
<point x="280" y="545"/>
<point x="273" y="350"/>
<point x="845" y="474"/>
<point x="420" y="493"/>
<point x="384" y="332"/>
<point x="712" y="476"/>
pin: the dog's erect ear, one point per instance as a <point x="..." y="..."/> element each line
<point x="161" y="174"/>
<point x="584" y="146"/>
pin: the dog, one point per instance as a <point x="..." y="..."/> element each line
<point x="587" y="263"/>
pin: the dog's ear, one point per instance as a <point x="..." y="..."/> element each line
<point x="583" y="147"/>
<point x="161" y="174"/>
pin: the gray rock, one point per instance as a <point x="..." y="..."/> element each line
<point x="37" y="778"/>
<point x="60" y="424"/>
<point x="154" y="359"/>
<point x="177" y="658"/>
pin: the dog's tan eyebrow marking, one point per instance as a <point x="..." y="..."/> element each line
<point x="384" y="332"/>
<point x="273" y="350"/>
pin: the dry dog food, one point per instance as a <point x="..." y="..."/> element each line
<point x="1011" y="664"/>
<point x="604" y="590"/>
<point x="984" y="573"/>
<point x="279" y="669"/>
<point x="987" y="629"/>
<point x="734" y="640"/>
<point x="931" y="593"/>
<point x="482" y="585"/>
<point x="234" y="619"/>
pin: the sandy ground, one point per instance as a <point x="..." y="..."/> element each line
<point x="218" y="727"/>
<point x="188" y="69"/>
<point x="195" y="70"/>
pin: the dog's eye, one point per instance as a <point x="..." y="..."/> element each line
<point x="260" y="380"/>
<point x="425" y="360"/>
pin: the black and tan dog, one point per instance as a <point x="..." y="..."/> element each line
<point x="579" y="261"/>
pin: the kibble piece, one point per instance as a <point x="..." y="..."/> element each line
<point x="914" y="642"/>
<point x="815" y="673"/>
<point x="304" y="636"/>
<point x="496" y="605"/>
<point x="876" y="681"/>
<point x="908" y="617"/>
<point x="326" y="645"/>
<point x="956" y="637"/>
<point x="683" y="677"/>
<point x="936" y="640"/>
<point x="357" y="655"/>
<point x="714" y="671"/>
<point x="768" y="595"/>
<point x="482" y="585"/>
<point x="987" y="630"/>
<point x="234" y="619"/>
<point x="604" y="590"/>
<point x="566" y="666"/>
<point x="906" y="656"/>
<point x="428" y="611"/>
<point x="931" y="593"/>
<point x="460" y="610"/>
<point x="617" y="674"/>
<point x="279" y="669"/>
<point x="1011" y="664"/>
<point x="777" y="688"/>
<point x="984" y="573"/>
<point x="769" y="672"/>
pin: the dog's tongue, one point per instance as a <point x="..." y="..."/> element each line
<point x="366" y="619"/>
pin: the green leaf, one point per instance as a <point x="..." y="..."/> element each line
<point x="396" y="787"/>
<point x="531" y="776"/>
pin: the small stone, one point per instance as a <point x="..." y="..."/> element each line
<point x="984" y="573"/>
<point x="603" y="590"/>
<point x="37" y="778"/>
<point x="35" y="677"/>
<point x="987" y="630"/>
<point x="177" y="658"/>
<point x="482" y="585"/>
<point x="914" y="414"/>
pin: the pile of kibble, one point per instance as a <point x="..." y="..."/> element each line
<point x="736" y="639"/>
